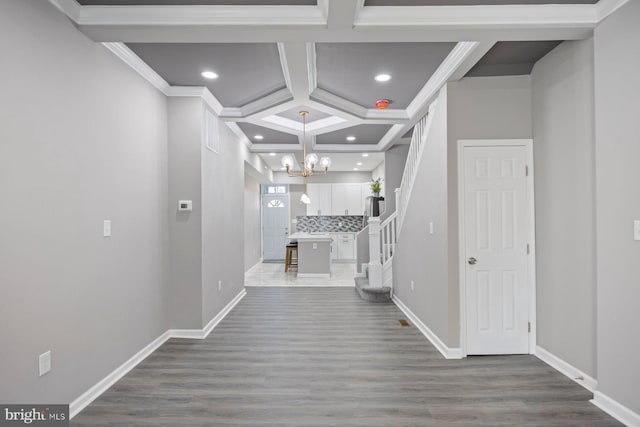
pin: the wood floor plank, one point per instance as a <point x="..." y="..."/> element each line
<point x="323" y="357"/>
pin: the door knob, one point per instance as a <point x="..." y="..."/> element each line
<point x="472" y="261"/>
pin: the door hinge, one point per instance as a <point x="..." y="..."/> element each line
<point x="528" y="248"/>
<point x="526" y="170"/>
<point x="529" y="326"/>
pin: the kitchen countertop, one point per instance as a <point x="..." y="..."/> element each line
<point x="310" y="237"/>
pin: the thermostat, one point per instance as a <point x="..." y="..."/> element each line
<point x="185" y="205"/>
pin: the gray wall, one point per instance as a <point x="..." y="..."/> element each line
<point x="222" y="221"/>
<point x="479" y="108"/>
<point x="420" y="256"/>
<point x="185" y="228"/>
<point x="563" y="132"/>
<point x="617" y="175"/>
<point x="252" y="221"/>
<point x="83" y="139"/>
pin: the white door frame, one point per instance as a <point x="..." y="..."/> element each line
<point x="262" y="197"/>
<point x="528" y="144"/>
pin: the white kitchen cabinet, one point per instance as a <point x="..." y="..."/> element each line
<point x="334" y="246"/>
<point x="365" y="190"/>
<point x="346" y="246"/>
<point x="320" y="195"/>
<point x="346" y="199"/>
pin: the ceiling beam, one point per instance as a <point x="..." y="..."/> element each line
<point x="343" y="13"/>
<point x="298" y="63"/>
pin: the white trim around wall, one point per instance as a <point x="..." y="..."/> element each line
<point x="447" y="352"/>
<point x="82" y="401"/>
<point x="528" y="143"/>
<point x="314" y="275"/>
<point x="568" y="370"/>
<point x="617" y="410"/>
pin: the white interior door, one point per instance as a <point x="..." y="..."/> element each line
<point x="275" y="226"/>
<point x="496" y="228"/>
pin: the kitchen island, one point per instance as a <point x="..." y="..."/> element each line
<point x="314" y="254"/>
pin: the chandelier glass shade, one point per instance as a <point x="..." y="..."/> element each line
<point x="313" y="164"/>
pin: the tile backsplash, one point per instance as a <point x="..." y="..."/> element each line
<point x="330" y="224"/>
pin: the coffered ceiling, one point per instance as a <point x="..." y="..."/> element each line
<point x="274" y="58"/>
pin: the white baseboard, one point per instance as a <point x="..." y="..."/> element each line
<point x="448" y="353"/>
<point x="254" y="265"/>
<point x="617" y="410"/>
<point x="565" y="368"/>
<point x="314" y="275"/>
<point x="104" y="384"/>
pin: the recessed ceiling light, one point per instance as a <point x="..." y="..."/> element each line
<point x="365" y="155"/>
<point x="359" y="163"/>
<point x="351" y="138"/>
<point x="272" y="154"/>
<point x="259" y="137"/>
<point x="209" y="75"/>
<point x="355" y="169"/>
<point x="383" y="77"/>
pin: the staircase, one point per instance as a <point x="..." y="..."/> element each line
<point x="375" y="283"/>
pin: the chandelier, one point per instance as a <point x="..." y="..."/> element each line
<point x="311" y="161"/>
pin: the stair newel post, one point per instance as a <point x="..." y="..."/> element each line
<point x="375" y="267"/>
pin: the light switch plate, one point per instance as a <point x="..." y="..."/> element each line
<point x="106" y="228"/>
<point x="185" y="205"/>
<point x="636" y="229"/>
<point x="44" y="363"/>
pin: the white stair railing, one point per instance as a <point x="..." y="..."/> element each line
<point x="418" y="142"/>
<point x="383" y="237"/>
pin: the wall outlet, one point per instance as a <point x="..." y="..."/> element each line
<point x="106" y="228"/>
<point x="219" y="285"/>
<point x="636" y="230"/>
<point x="413" y="285"/>
<point x="431" y="227"/>
<point x="315" y="246"/>
<point x="44" y="363"/>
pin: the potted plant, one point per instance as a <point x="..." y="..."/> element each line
<point x="376" y="186"/>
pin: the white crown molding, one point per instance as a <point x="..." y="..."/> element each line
<point x="104" y="384"/>
<point x="267" y="148"/>
<point x="345" y="148"/>
<point x="312" y="68"/>
<point x="267" y="102"/>
<point x="392" y="135"/>
<point x="240" y="134"/>
<point x="545" y="16"/>
<point x="447" y="352"/>
<point x="394" y="115"/>
<point x="212" y="101"/>
<point x="328" y="124"/>
<point x="567" y="369"/>
<point x="282" y="54"/>
<point x="134" y="61"/>
<point x="71" y="8"/>
<point x="446" y="69"/>
<point x="190" y="15"/>
<point x="617" y="410"/>
<point x="604" y="8"/>
<point x="338" y="103"/>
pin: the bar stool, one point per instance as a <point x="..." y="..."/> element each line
<point x="291" y="256"/>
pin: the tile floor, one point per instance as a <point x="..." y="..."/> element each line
<point x="272" y="274"/>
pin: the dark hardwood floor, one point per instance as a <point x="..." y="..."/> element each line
<point x="323" y="357"/>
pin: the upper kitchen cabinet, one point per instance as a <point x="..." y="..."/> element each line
<point x="346" y="199"/>
<point x="320" y="195"/>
